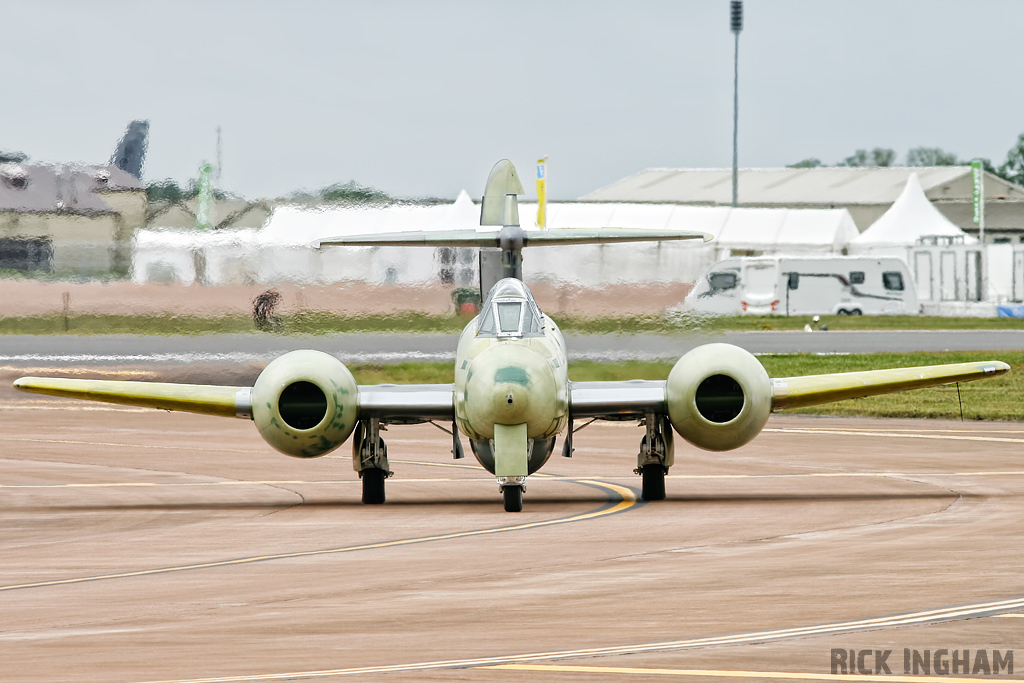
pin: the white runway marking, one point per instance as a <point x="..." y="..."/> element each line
<point x="981" y="609"/>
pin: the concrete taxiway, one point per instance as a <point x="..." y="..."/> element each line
<point x="66" y="350"/>
<point x="147" y="546"/>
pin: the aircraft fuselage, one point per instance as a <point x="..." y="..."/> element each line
<point x="511" y="376"/>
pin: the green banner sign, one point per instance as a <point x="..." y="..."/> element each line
<point x="976" y="178"/>
<point x="204" y="200"/>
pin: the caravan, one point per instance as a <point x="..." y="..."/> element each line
<point x="843" y="285"/>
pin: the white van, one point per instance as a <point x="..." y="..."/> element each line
<point x="793" y="285"/>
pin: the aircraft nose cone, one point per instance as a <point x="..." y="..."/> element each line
<point x="511" y="401"/>
<point x="510" y="384"/>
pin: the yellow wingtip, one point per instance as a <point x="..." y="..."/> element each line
<point x="24" y="383"/>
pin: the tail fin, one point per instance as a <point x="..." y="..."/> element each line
<point x="500" y="206"/>
<point x="130" y="153"/>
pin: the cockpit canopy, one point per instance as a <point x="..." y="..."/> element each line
<point x="510" y="311"/>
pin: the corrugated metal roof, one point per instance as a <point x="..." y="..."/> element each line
<point x="45" y="188"/>
<point x="839" y="186"/>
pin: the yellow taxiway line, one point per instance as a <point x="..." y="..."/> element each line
<point x="530" y="661"/>
<point x="626" y="500"/>
<point x="712" y="673"/>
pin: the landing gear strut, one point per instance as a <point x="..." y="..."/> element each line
<point x="656" y="456"/>
<point x="370" y="459"/>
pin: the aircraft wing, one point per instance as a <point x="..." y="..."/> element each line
<point x="189" y="398"/>
<point x="397" y="403"/>
<point x="625" y="399"/>
<point x="491" y="238"/>
<point x="388" y="402"/>
<point x="635" y="398"/>
<point x="812" y="390"/>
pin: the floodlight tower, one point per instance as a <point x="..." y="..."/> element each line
<point x="736" y="25"/>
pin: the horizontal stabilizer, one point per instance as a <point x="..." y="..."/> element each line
<point x="799" y="392"/>
<point x="190" y="398"/>
<point x="492" y="238"/>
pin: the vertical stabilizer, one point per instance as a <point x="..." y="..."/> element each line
<point x="500" y="205"/>
<point x="130" y="154"/>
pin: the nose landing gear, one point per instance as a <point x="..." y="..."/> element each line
<point x="512" y="489"/>
<point x="513" y="496"/>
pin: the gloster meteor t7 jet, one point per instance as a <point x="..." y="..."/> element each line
<point x="512" y="396"/>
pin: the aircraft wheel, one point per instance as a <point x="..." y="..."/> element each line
<point x="513" y="495"/>
<point x="842" y="311"/>
<point x="653" y="482"/>
<point x="373" y="486"/>
<point x="856" y="311"/>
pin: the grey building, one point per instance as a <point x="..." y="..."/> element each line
<point x="866" y="192"/>
<point x="68" y="219"/>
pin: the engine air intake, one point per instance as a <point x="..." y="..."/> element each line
<point x="719" y="399"/>
<point x="303" y="405"/>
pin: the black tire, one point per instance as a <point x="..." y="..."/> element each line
<point x="513" y="495"/>
<point x="373" y="486"/>
<point x="842" y="311"/>
<point x="653" y="482"/>
<point x="856" y="311"/>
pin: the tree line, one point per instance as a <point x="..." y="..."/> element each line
<point x="168" y="190"/>
<point x="1012" y="169"/>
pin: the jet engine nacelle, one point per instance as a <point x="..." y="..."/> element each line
<point x="305" y="403"/>
<point x="719" y="397"/>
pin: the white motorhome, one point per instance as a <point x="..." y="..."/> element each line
<point x="785" y="285"/>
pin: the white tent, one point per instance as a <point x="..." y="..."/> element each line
<point x="281" y="249"/>
<point x="787" y="230"/>
<point x="773" y="231"/>
<point x="910" y="217"/>
<point x="300" y="226"/>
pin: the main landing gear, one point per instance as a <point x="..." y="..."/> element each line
<point x="653" y="477"/>
<point x="370" y="459"/>
<point x="656" y="456"/>
<point x="373" y="485"/>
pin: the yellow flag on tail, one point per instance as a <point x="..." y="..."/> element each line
<point x="542" y="199"/>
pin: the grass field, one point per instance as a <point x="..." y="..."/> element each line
<point x="989" y="399"/>
<point x="318" y="323"/>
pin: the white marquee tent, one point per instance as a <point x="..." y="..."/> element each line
<point x="281" y="249"/>
<point x="911" y="217"/>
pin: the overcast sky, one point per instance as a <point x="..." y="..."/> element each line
<point x="421" y="98"/>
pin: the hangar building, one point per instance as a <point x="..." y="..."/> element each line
<point x="69" y="220"/>
<point x="866" y="192"/>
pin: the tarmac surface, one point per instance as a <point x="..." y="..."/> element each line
<point x="383" y="348"/>
<point x="146" y="546"/>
